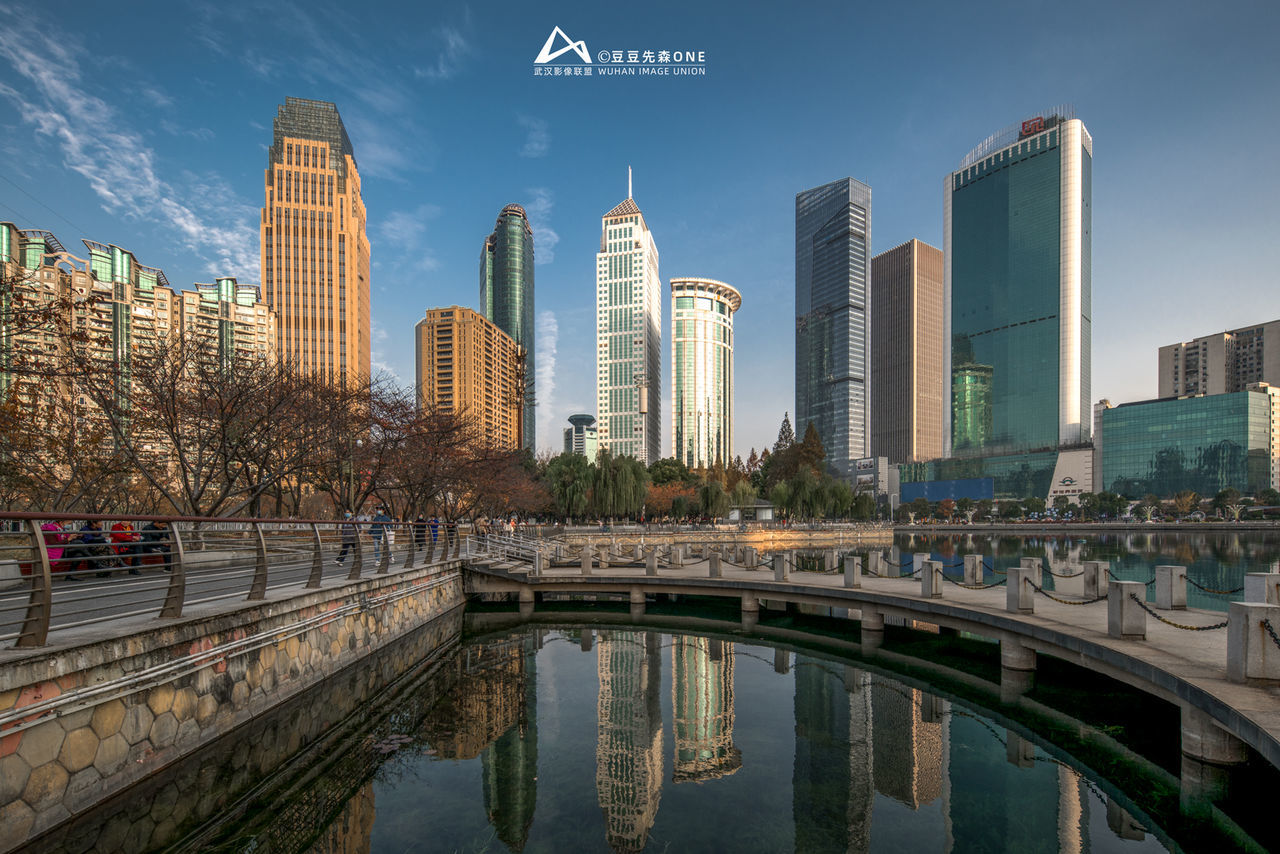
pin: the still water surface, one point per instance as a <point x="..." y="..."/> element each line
<point x="622" y="739"/>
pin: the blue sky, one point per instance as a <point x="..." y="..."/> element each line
<point x="147" y="124"/>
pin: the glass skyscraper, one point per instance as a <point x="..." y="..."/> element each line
<point x="628" y="336"/>
<point x="702" y="371"/>
<point x="833" y="234"/>
<point x="506" y="298"/>
<point x="1017" y="223"/>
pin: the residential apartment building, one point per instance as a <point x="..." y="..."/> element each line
<point x="467" y="366"/>
<point x="1225" y="362"/>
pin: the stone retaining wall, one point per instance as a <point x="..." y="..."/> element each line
<point x="106" y="714"/>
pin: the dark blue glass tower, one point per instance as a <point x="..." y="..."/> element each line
<point x="506" y="298"/>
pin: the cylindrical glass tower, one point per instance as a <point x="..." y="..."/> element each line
<point x="702" y="371"/>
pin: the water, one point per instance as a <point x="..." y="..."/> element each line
<point x="578" y="739"/>
<point x="1216" y="561"/>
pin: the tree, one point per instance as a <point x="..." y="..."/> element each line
<point x="1185" y="501"/>
<point x="1010" y="509"/>
<point x="670" y="470"/>
<point x="568" y="479"/>
<point x="810" y="452"/>
<point x="1088" y="505"/>
<point x="1149" y="506"/>
<point x="780" y="498"/>
<point x="669" y="499"/>
<point x="713" y="498"/>
<point x="743" y="494"/>
<point x="1268" y="498"/>
<point x="786" y="435"/>
<point x="1061" y="504"/>
<point x="920" y="507"/>
<point x="1034" y="504"/>
<point x="947" y="508"/>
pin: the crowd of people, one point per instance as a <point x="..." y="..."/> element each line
<point x="75" y="551"/>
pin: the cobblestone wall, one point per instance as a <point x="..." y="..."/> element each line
<point x="105" y="715"/>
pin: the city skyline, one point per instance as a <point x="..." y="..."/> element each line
<point x="177" y="178"/>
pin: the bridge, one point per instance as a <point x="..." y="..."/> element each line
<point x="1221" y="673"/>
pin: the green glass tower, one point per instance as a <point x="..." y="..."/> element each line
<point x="1017" y="222"/>
<point x="506" y="298"/>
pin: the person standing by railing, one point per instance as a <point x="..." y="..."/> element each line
<point x="125" y="543"/>
<point x="54" y="538"/>
<point x="420" y="533"/>
<point x="450" y="533"/>
<point x="378" y="530"/>
<point x="434" y="524"/>
<point x="350" y="530"/>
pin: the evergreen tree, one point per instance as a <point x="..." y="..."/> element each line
<point x="786" y="435"/>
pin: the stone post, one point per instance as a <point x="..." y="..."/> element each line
<point x="1125" y="617"/>
<point x="537" y="563"/>
<point x="790" y="557"/>
<point x="637" y="603"/>
<point x="1036" y="565"/>
<point x="713" y="565"/>
<point x="830" y="559"/>
<point x="749" y="557"/>
<point x="780" y="567"/>
<point x="1018" y="592"/>
<point x="604" y="556"/>
<point x="635" y="552"/>
<point x="1251" y="651"/>
<point x="852" y="571"/>
<point x="973" y="567"/>
<point x="1262" y="587"/>
<point x="651" y="562"/>
<point x="750" y="612"/>
<point x="918" y="560"/>
<point x="931" y="579"/>
<point x="586" y="558"/>
<point x="1096" y="578"/>
<point x="1171" y="588"/>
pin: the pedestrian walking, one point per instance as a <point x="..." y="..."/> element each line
<point x="350" y="530"/>
<point x="378" y="530"/>
<point x="420" y="533"/>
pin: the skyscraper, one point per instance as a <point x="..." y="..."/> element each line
<point x="506" y="297"/>
<point x="907" y="318"/>
<point x="702" y="371"/>
<point x="833" y="235"/>
<point x="1018" y="226"/>
<point x="315" y="254"/>
<point x="628" y="335"/>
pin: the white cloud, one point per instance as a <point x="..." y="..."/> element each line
<point x="544" y="236"/>
<point x="403" y="234"/>
<point x="546" y="343"/>
<point x="454" y="50"/>
<point x="96" y="141"/>
<point x="537" y="141"/>
<point x="377" y="356"/>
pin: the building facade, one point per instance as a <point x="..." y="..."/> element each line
<point x="833" y="237"/>
<point x="1017" y="222"/>
<point x="628" y="336"/>
<point x="507" y="298"/>
<point x="907" y="353"/>
<point x="581" y="437"/>
<point x="315" y="253"/>
<point x="1225" y="362"/>
<point x="233" y="316"/>
<point x="467" y="366"/>
<point x="702" y="371"/>
<point x="1206" y="443"/>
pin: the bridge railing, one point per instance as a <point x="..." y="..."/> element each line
<point x="71" y="570"/>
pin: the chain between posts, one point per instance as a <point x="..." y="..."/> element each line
<point x="1266" y="624"/>
<point x="1145" y="607"/>
<point x="1211" y="590"/>
<point x="1049" y="595"/>
<point x="1115" y="577"/>
<point x="973" y="586"/>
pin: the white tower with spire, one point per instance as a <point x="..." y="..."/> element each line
<point x="628" y="335"/>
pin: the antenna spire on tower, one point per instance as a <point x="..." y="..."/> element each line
<point x="628" y="181"/>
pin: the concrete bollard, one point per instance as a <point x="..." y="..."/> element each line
<point x="674" y="555"/>
<point x="750" y="612"/>
<point x="636" y="554"/>
<point x="586" y="558"/>
<point x="1125" y="617"/>
<point x="10" y="574"/>
<point x="1251" y="651"/>
<point x="1171" y="588"/>
<point x="651" y="562"/>
<point x="852" y="571"/>
<point x="604" y="556"/>
<point x="1096" y="578"/>
<point x="749" y="557"/>
<point x="713" y="566"/>
<point x="780" y="572"/>
<point x="973" y="567"/>
<point x="1262" y="587"/>
<point x="830" y="560"/>
<point x="1018" y="592"/>
<point x="537" y="563"/>
<point x="637" y="603"/>
<point x="918" y="560"/>
<point x="790" y="557"/>
<point x="1036" y="565"/>
<point x="931" y="579"/>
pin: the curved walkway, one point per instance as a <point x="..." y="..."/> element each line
<point x="1188" y="668"/>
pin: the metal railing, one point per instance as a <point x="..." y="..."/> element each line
<point x="70" y="570"/>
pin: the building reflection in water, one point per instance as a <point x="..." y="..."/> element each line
<point x="702" y="709"/>
<point x="629" y="736"/>
<point x="351" y="831"/>
<point x="510" y="765"/>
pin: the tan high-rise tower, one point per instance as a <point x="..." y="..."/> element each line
<point x="315" y="253"/>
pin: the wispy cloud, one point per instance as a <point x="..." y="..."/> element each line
<point x="403" y="235"/>
<point x="97" y="142"/>
<point x="546" y="343"/>
<point x="454" y="50"/>
<point x="544" y="236"/>
<point x="537" y="140"/>
<point x="377" y="355"/>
